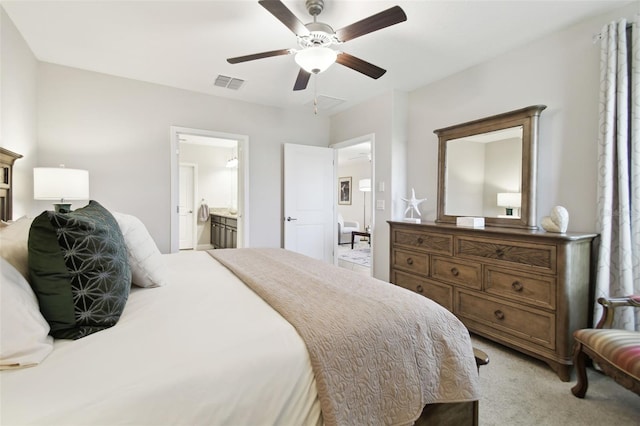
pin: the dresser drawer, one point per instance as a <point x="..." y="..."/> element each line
<point x="528" y="324"/>
<point x="430" y="242"/>
<point x="539" y="290"/>
<point x="410" y="261"/>
<point x="508" y="252"/>
<point x="467" y="274"/>
<point x="439" y="293"/>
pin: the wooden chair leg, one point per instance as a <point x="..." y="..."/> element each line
<point x="579" y="362"/>
<point x="481" y="358"/>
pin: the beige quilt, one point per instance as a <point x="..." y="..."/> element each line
<point x="379" y="352"/>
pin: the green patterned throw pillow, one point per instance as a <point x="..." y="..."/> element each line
<point x="79" y="270"/>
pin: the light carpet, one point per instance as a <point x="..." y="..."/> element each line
<point x="358" y="255"/>
<point x="521" y="390"/>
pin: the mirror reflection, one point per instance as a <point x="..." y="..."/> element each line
<point x="487" y="168"/>
<point x="484" y="174"/>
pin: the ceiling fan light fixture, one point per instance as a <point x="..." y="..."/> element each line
<point x="316" y="59"/>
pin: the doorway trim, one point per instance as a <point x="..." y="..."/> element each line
<point x="243" y="181"/>
<point x="371" y="137"/>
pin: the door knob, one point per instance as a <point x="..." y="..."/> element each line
<point x="289" y="218"/>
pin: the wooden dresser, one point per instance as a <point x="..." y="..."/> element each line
<point x="528" y="290"/>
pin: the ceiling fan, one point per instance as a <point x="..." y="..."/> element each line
<point x="314" y="39"/>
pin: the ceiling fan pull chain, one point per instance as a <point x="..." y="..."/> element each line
<point x="315" y="94"/>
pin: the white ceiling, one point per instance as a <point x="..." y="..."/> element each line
<point x="185" y="44"/>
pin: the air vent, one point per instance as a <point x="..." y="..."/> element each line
<point x="326" y="102"/>
<point x="228" y="82"/>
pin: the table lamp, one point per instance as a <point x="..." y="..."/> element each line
<point x="60" y="184"/>
<point x="510" y="201"/>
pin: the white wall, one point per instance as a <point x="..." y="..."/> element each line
<point x="217" y="184"/>
<point x="504" y="174"/>
<point x="18" y="70"/>
<point x="355" y="211"/>
<point x="477" y="172"/>
<point x="466" y="180"/>
<point x="118" y="129"/>
<point x="385" y="118"/>
<point x="560" y="71"/>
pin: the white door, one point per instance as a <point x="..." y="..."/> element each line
<point x="309" y="199"/>
<point x="186" y="206"/>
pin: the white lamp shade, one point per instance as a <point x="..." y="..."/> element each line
<point x="59" y="183"/>
<point x="316" y="59"/>
<point x="509" y="199"/>
<point x="364" y="185"/>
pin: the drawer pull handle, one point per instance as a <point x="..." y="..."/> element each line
<point x="409" y="261"/>
<point x="420" y="240"/>
<point x="517" y="286"/>
<point x="499" y="314"/>
<point x="419" y="289"/>
<point x="455" y="272"/>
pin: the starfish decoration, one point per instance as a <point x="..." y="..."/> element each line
<point x="413" y="203"/>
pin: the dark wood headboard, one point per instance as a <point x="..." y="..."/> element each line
<point x="7" y="158"/>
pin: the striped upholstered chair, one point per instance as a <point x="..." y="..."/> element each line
<point x="617" y="352"/>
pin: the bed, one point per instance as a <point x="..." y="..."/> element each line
<point x="204" y="338"/>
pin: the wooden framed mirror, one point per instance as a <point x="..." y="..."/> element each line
<point x="487" y="168"/>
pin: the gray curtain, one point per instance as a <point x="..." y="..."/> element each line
<point x="618" y="267"/>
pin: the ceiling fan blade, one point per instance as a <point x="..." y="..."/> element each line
<point x="376" y="22"/>
<point x="255" y="56"/>
<point x="284" y="15"/>
<point x="359" y="65"/>
<point x="302" y="80"/>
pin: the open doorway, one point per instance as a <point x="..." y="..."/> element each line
<point x="209" y="189"/>
<point x="354" y="174"/>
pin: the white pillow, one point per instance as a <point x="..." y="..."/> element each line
<point x="24" y="333"/>
<point x="145" y="260"/>
<point x="14" y="244"/>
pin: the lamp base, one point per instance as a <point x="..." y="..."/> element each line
<point x="62" y="208"/>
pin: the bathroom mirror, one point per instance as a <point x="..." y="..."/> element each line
<point x="487" y="168"/>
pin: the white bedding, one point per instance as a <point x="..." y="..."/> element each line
<point x="229" y="359"/>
